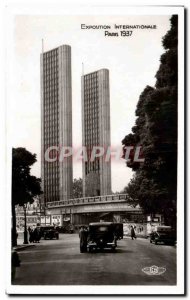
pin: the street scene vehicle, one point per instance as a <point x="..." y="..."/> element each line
<point x="68" y="228"/>
<point x="163" y="234"/>
<point x="49" y="232"/>
<point x="100" y="235"/>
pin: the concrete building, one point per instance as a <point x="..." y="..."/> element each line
<point x="56" y="122"/>
<point x="96" y="131"/>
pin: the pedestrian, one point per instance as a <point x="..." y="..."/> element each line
<point x="31" y="234"/>
<point x="135" y="229"/>
<point x="37" y="235"/>
<point x="83" y="234"/>
<point x="82" y="228"/>
<point x="133" y="235"/>
<point x="15" y="263"/>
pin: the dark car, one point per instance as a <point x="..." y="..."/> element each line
<point x="100" y="235"/>
<point x="49" y="232"/>
<point x="163" y="234"/>
<point x="67" y="228"/>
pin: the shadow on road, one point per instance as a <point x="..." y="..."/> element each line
<point x="106" y="250"/>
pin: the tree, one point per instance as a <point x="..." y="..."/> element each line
<point x="155" y="180"/>
<point x="25" y="187"/>
<point x="77" y="188"/>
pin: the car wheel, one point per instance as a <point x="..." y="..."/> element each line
<point x="83" y="249"/>
<point x="156" y="243"/>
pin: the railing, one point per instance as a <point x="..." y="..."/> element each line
<point x="89" y="200"/>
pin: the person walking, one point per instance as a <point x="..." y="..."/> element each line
<point x="31" y="234"/>
<point x="37" y="235"/>
<point x="133" y="235"/>
<point x="83" y="235"/>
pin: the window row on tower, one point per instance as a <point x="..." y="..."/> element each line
<point x="92" y="166"/>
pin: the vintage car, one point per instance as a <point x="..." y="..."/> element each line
<point x="49" y="232"/>
<point x="100" y="235"/>
<point x="163" y="234"/>
<point x="67" y="228"/>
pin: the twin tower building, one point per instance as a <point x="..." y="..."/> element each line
<point x="56" y="126"/>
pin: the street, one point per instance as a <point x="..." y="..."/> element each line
<point x="59" y="262"/>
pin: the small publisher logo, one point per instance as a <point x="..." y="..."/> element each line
<point x="154" y="270"/>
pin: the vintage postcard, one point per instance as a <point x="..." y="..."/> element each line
<point x="95" y="136"/>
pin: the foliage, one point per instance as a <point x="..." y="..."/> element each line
<point x="24" y="186"/>
<point x="77" y="188"/>
<point x="155" y="180"/>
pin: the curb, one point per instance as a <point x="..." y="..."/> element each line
<point x="22" y="247"/>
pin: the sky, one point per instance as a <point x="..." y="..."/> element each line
<point x="132" y="62"/>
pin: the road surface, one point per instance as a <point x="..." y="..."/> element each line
<point x="59" y="262"/>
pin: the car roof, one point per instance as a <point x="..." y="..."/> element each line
<point x="162" y="228"/>
<point x="100" y="224"/>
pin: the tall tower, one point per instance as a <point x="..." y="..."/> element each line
<point x="56" y="122"/>
<point x="96" y="131"/>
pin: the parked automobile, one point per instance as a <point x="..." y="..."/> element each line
<point x="163" y="234"/>
<point x="65" y="229"/>
<point x="100" y="235"/>
<point x="60" y="229"/>
<point x="49" y="232"/>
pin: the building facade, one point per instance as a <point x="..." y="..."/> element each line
<point x="56" y="123"/>
<point x="96" y="132"/>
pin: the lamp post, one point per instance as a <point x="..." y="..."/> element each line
<point x="25" y="226"/>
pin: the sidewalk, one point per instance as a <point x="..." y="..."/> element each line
<point x="20" y="246"/>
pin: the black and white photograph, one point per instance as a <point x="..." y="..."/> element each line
<point x="95" y="143"/>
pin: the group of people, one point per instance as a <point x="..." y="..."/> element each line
<point x="34" y="234"/>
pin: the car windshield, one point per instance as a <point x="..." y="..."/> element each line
<point x="164" y="229"/>
<point x="97" y="229"/>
